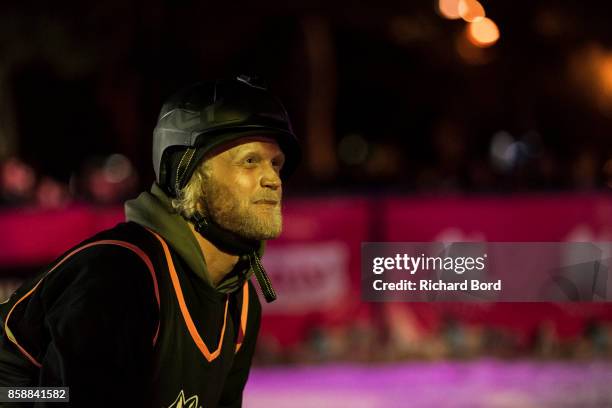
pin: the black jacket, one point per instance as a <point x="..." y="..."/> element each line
<point x="124" y="320"/>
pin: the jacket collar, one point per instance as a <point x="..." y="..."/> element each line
<point x="154" y="210"/>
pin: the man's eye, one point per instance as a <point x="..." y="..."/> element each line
<point x="250" y="160"/>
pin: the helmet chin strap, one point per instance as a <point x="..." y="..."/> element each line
<point x="231" y="243"/>
<point x="222" y="238"/>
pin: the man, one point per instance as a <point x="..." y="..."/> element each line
<point x="159" y="311"/>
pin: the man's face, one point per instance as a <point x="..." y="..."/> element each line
<point x="243" y="190"/>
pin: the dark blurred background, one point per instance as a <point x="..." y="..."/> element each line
<point x="388" y="95"/>
<point x="420" y="121"/>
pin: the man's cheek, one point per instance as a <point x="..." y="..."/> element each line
<point x="245" y="183"/>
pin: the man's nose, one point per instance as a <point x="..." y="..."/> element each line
<point x="271" y="178"/>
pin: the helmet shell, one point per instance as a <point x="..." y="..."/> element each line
<point x="206" y="115"/>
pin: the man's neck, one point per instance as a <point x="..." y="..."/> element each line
<point x="218" y="263"/>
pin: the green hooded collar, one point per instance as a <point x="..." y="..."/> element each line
<point x="154" y="211"/>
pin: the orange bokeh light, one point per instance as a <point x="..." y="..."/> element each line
<point x="591" y="71"/>
<point x="483" y="32"/>
<point x="449" y="9"/>
<point x="470" y="10"/>
<point x="604" y="69"/>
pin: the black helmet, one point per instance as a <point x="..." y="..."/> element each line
<point x="205" y="115"/>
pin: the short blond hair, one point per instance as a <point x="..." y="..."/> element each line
<point x="188" y="199"/>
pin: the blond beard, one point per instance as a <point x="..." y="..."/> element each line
<point x="239" y="215"/>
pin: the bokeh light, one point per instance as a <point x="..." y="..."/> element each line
<point x="471" y="10"/>
<point x="591" y="72"/>
<point x="483" y="33"/>
<point x="117" y="168"/>
<point x="449" y="9"/>
<point x="604" y="70"/>
<point x="502" y="153"/>
<point x="51" y="194"/>
<point x="17" y="179"/>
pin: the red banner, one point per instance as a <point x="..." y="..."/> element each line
<point x="555" y="218"/>
<point x="315" y="266"/>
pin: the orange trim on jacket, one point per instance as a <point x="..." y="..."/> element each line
<point x="185" y="312"/>
<point x="197" y="339"/>
<point x="124" y="244"/>
<point x="244" y="314"/>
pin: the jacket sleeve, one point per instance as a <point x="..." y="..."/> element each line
<point x="231" y="395"/>
<point x="101" y="315"/>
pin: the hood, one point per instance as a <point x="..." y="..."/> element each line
<point x="154" y="210"/>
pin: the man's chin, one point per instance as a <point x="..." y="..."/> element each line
<point x="263" y="235"/>
<point x="256" y="231"/>
<point x="263" y="228"/>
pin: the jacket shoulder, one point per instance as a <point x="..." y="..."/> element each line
<point x="108" y="255"/>
<point x="97" y="279"/>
